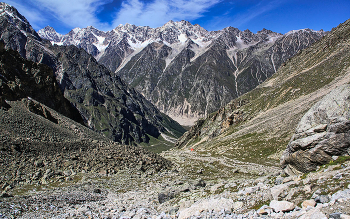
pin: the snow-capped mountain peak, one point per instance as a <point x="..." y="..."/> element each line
<point x="50" y="33"/>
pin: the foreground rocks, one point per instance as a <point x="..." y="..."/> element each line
<point x="128" y="194"/>
<point x="34" y="150"/>
<point x="323" y="132"/>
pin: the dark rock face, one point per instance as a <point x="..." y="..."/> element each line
<point x="323" y="132"/>
<point x="20" y="78"/>
<point x="12" y="24"/>
<point x="105" y="102"/>
<point x="186" y="71"/>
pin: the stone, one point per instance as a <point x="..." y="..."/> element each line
<point x="249" y="190"/>
<point x="338" y="176"/>
<point x="282" y="206"/>
<point x="314" y="214"/>
<point x="200" y="183"/>
<point x="98" y="191"/>
<point x="39" y="163"/>
<point x="279" y="180"/>
<point x="277" y="190"/>
<point x="4" y="194"/>
<point x="216" y="205"/>
<point x="344" y="195"/>
<point x="322" y="199"/>
<point x="264" y="210"/>
<point x="308" y="203"/>
<point x="164" y="197"/>
<point x="344" y="216"/>
<point x="307" y="188"/>
<point x="335" y="215"/>
<point x="185" y="187"/>
<point x="67" y="172"/>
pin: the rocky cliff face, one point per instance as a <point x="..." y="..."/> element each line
<point x="106" y="103"/>
<point x="185" y="70"/>
<point x="20" y="78"/>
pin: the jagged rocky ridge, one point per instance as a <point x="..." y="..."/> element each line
<point x="106" y="103"/>
<point x="185" y="70"/>
<point x="260" y="123"/>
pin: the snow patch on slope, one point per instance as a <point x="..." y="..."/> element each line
<point x="57" y="43"/>
<point x="182" y="38"/>
<point x="202" y="47"/>
<point x="137" y="47"/>
<point x="100" y="45"/>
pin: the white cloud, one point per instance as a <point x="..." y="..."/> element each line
<point x="158" y="12"/>
<point x="83" y="13"/>
<point x="74" y="13"/>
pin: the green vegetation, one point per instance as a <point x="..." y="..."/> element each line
<point x="253" y="147"/>
<point x="261" y="203"/>
<point x="339" y="160"/>
<point x="177" y="129"/>
<point x="157" y="145"/>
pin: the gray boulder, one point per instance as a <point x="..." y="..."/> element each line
<point x="323" y="132"/>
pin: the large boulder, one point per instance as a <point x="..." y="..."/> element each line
<point x="323" y="132"/>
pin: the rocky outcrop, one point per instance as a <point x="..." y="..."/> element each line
<point x="323" y="132"/>
<point x="215" y="124"/>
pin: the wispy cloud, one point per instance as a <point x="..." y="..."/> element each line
<point x="83" y="13"/>
<point x="74" y="13"/>
<point x="255" y="11"/>
<point x="158" y="12"/>
<point x="240" y="19"/>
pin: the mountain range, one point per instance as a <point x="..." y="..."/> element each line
<point x="72" y="129"/>
<point x="106" y="103"/>
<point x="186" y="71"/>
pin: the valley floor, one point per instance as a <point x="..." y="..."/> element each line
<point x="198" y="186"/>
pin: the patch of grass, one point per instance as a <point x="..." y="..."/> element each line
<point x="340" y="160"/>
<point x="254" y="147"/>
<point x="157" y="145"/>
<point x="29" y="188"/>
<point x="304" y="176"/>
<point x="260" y="203"/>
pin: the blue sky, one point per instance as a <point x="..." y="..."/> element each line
<point x="277" y="15"/>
